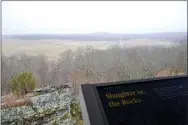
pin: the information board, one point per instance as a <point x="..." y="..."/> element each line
<point x="157" y="101"/>
<point x="149" y="103"/>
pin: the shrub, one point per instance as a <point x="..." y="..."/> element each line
<point x="23" y="83"/>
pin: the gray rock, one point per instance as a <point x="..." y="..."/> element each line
<point x="27" y="112"/>
<point x="11" y="114"/>
<point x="52" y="107"/>
<point x="45" y="104"/>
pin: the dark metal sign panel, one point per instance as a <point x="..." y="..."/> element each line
<point x="146" y="102"/>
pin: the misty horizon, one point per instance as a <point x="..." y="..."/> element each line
<point x="94" y="33"/>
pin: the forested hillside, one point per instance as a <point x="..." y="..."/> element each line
<point x="89" y="65"/>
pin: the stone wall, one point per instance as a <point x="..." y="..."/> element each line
<point x="49" y="106"/>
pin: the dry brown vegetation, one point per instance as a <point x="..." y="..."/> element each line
<point x="12" y="100"/>
<point x="169" y="72"/>
<point x="90" y="65"/>
<point x="52" y="48"/>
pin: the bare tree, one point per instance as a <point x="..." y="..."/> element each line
<point x="42" y="69"/>
<point x="89" y="65"/>
<point x="65" y="63"/>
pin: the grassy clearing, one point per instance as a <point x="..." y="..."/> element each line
<point x="52" y="48"/>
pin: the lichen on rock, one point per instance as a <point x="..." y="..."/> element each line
<point x="48" y="107"/>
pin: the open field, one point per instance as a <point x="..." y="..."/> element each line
<point x="52" y="48"/>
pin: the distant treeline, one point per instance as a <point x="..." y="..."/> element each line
<point x="173" y="36"/>
<point x="89" y="65"/>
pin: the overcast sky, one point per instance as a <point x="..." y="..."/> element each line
<point x="24" y="17"/>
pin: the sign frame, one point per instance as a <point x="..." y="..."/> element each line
<point x="92" y="109"/>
